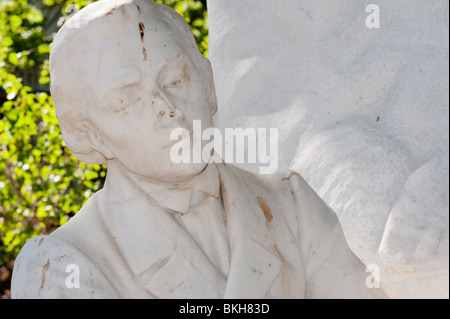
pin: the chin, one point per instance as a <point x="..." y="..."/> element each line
<point x="185" y="171"/>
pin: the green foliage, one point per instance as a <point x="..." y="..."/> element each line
<point x="42" y="184"/>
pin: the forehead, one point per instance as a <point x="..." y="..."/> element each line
<point x="123" y="58"/>
<point x="130" y="44"/>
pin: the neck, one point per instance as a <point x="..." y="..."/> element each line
<point x="121" y="184"/>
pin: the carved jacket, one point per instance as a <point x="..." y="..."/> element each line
<point x="285" y="242"/>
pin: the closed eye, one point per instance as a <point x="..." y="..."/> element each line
<point x="123" y="105"/>
<point x="176" y="84"/>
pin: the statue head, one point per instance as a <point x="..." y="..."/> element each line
<point x="124" y="74"/>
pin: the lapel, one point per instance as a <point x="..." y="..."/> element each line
<point x="159" y="252"/>
<point x="255" y="259"/>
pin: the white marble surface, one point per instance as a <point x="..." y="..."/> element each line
<point x="128" y="74"/>
<point x="362" y="115"/>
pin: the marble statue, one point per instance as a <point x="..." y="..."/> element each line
<point x="123" y="76"/>
<point x="369" y="106"/>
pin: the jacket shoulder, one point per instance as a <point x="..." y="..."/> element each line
<point x="267" y="181"/>
<point x="48" y="267"/>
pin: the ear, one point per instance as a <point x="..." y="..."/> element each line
<point x="97" y="142"/>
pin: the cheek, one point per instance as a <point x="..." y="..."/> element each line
<point x="196" y="100"/>
<point x="122" y="133"/>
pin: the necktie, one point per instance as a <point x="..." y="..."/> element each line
<point x="206" y="223"/>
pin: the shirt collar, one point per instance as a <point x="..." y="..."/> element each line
<point x="178" y="197"/>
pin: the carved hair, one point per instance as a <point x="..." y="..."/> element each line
<point x="71" y="55"/>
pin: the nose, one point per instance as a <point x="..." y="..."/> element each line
<point x="167" y="108"/>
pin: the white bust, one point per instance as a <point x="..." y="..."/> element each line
<point x="121" y="82"/>
<point x="135" y="73"/>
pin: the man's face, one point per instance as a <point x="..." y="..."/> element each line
<point x="147" y="85"/>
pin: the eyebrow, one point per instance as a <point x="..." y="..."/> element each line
<point x="127" y="81"/>
<point x="174" y="60"/>
<point x="177" y="57"/>
<point x="130" y="81"/>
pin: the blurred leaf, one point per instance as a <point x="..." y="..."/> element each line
<point x="13" y="59"/>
